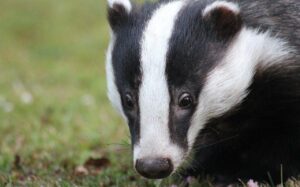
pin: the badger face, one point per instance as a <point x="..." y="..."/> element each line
<point x="173" y="66"/>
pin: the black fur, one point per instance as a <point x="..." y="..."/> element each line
<point x="262" y="135"/>
<point x="194" y="49"/>
<point x="281" y="17"/>
<point x="256" y="139"/>
<point x="117" y="16"/>
<point x="127" y="29"/>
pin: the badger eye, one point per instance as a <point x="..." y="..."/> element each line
<point x="128" y="101"/>
<point x="185" y="101"/>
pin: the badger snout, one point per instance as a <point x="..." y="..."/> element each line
<point x="154" y="168"/>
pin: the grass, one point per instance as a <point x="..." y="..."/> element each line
<point x="54" y="113"/>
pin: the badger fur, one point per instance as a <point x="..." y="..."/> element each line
<point x="211" y="87"/>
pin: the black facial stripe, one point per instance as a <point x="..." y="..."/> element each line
<point x="127" y="74"/>
<point x="179" y="122"/>
<point x="126" y="63"/>
<point x="193" y="52"/>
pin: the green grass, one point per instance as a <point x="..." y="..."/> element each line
<point x="54" y="113"/>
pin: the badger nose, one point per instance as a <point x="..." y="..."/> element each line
<point x="154" y="168"/>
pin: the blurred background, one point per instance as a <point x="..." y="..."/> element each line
<point x="57" y="127"/>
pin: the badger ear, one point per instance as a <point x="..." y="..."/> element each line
<point x="118" y="11"/>
<point x="224" y="17"/>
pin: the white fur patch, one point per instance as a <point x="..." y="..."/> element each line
<point x="227" y="84"/>
<point x="112" y="91"/>
<point x="154" y="96"/>
<point x="125" y="3"/>
<point x="219" y="4"/>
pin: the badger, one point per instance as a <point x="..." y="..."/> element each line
<point x="208" y="87"/>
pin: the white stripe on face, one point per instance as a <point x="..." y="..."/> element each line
<point x="154" y="96"/>
<point x="226" y="86"/>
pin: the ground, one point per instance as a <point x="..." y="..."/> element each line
<point x="57" y="127"/>
<point x="54" y="112"/>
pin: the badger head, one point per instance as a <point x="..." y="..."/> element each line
<point x="174" y="65"/>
